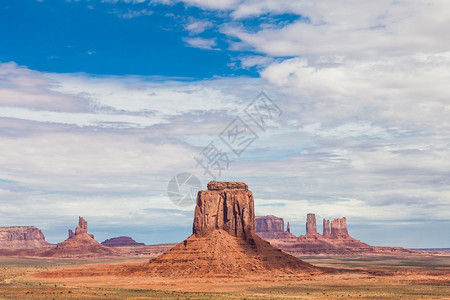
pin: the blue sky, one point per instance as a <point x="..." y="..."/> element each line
<point x="103" y="102"/>
<point x="100" y="37"/>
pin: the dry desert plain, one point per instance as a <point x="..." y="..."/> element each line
<point x="374" y="277"/>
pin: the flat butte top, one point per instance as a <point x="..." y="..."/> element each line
<point x="223" y="185"/>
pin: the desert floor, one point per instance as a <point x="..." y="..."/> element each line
<point x="374" y="277"/>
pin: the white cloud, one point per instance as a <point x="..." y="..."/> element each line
<point x="353" y="29"/>
<point x="350" y="28"/>
<point x="205" y="4"/>
<point x="82" y="119"/>
<point x="197" y="26"/>
<point x="346" y="130"/>
<point x="22" y="87"/>
<point x="405" y="91"/>
<point x="129" y="14"/>
<point x="202" y="43"/>
<point x="259" y="61"/>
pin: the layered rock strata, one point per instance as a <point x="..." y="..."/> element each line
<point x="22" y="237"/>
<point x="223" y="241"/>
<point x="271" y="227"/>
<point x="311" y="227"/>
<point x="334" y="240"/>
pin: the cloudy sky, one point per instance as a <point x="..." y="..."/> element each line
<point x="103" y="102"/>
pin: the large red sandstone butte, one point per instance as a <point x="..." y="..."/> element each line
<point x="22" y="237"/>
<point x="224" y="240"/>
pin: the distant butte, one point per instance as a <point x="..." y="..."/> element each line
<point x="22" y="237"/>
<point x="271" y="227"/>
<point x="80" y="244"/>
<point x="121" y="241"/>
<point x="334" y="240"/>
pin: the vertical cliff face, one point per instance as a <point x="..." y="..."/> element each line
<point x="224" y="239"/>
<point x="225" y="206"/>
<point x="82" y="226"/>
<point x="311" y="228"/>
<point x="339" y="227"/>
<point x="271" y="227"/>
<point x="269" y="224"/>
<point x="22" y="237"/>
<point x="326" y="227"/>
<point x="80" y="230"/>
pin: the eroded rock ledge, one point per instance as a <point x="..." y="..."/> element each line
<point x="219" y="186"/>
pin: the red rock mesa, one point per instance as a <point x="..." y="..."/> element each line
<point x="224" y="239"/>
<point x="22" y="237"/>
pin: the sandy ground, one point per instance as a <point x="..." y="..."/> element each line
<point x="378" y="277"/>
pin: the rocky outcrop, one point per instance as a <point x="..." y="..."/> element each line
<point x="269" y="224"/>
<point x="334" y="241"/>
<point x="288" y="228"/>
<point x="80" y="244"/>
<point x="326" y="227"/>
<point x="311" y="228"/>
<point x="223" y="185"/>
<point x="227" y="206"/>
<point x="22" y="237"/>
<point x="82" y="226"/>
<point x="339" y="227"/>
<point x="121" y="241"/>
<point x="271" y="227"/>
<point x="224" y="240"/>
<point x="80" y="230"/>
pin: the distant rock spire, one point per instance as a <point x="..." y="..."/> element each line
<point x="326" y="227"/>
<point x="311" y="228"/>
<point x="82" y="226"/>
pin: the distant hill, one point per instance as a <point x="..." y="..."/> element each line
<point x="121" y="241"/>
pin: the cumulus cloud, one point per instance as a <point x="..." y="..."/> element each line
<point x="349" y="28"/>
<point x="402" y="91"/>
